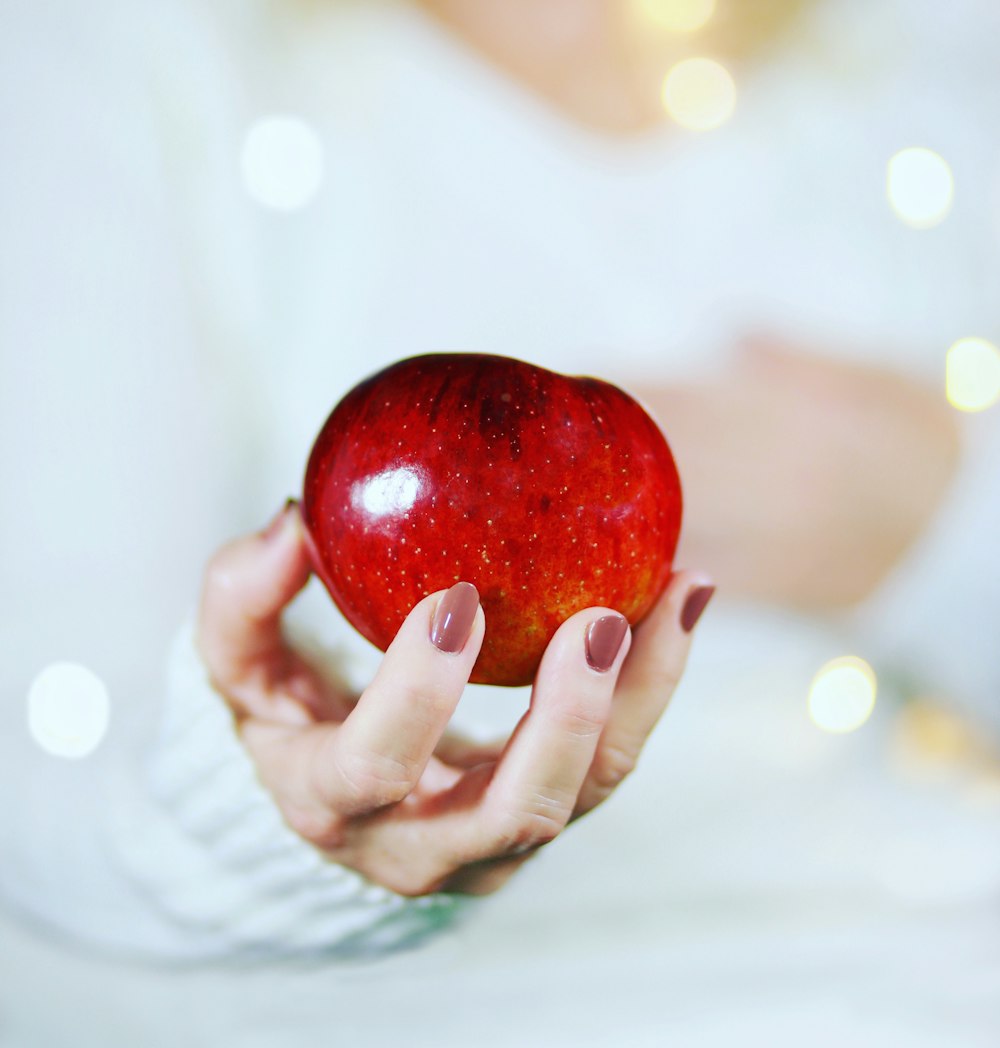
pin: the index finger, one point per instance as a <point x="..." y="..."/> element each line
<point x="383" y="746"/>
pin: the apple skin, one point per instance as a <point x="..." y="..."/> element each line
<point x="549" y="493"/>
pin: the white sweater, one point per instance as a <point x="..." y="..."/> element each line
<point x="170" y="347"/>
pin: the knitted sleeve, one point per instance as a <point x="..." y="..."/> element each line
<point x="205" y="845"/>
<point x="170" y="849"/>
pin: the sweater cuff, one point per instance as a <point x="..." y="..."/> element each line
<point x="206" y="844"/>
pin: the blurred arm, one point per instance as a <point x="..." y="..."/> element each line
<point x="853" y="493"/>
<point x="806" y="478"/>
<point x="121" y="464"/>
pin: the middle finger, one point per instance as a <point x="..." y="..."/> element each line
<point x="535" y="786"/>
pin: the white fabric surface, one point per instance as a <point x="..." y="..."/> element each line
<point x="169" y="349"/>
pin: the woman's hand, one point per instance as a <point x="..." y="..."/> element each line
<point x="374" y="782"/>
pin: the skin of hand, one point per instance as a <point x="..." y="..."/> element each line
<point x="805" y="478"/>
<point x="373" y="780"/>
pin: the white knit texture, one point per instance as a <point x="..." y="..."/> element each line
<point x="207" y="846"/>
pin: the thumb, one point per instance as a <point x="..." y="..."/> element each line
<point x="247" y="584"/>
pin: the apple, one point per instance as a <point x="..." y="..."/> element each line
<point x="549" y="493"/>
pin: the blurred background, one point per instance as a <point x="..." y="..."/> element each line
<point x="778" y="223"/>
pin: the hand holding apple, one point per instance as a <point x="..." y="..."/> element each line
<point x="372" y="780"/>
<point x="550" y="494"/>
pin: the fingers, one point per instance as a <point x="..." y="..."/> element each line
<point x="646" y="684"/>
<point x="247" y="584"/>
<point x="377" y="756"/>
<point x="461" y="752"/>
<point x="534" y="788"/>
<point x="331" y="773"/>
<point x="473" y="835"/>
<point x="372" y="793"/>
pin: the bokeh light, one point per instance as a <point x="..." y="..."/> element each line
<point x="677" y="16"/>
<point x="842" y="695"/>
<point x="934" y="732"/>
<point x="920" y="187"/>
<point x="68" y="710"/>
<point x="282" y="162"/>
<point x="972" y="374"/>
<point x="699" y="94"/>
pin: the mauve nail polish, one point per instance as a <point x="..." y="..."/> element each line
<point x="454" y="617"/>
<point x="603" y="641"/>
<point x="695" y="604"/>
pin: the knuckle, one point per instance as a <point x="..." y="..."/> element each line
<point x="424" y="705"/>
<point x="412" y="883"/>
<point x="540" y="818"/>
<point x="528" y="833"/>
<point x="580" y="723"/>
<point x="322" y="828"/>
<point x="612" y="765"/>
<point x="427" y="703"/>
<point x="375" y="780"/>
<point x="661" y="680"/>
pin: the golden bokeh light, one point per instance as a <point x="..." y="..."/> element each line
<point x="920" y="187"/>
<point x="699" y="94"/>
<point x="931" y="741"/>
<point x="677" y="16"/>
<point x="935" y="732"/>
<point x="842" y="695"/>
<point x="972" y="374"/>
<point x="68" y="710"/>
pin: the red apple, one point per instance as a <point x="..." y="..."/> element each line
<point x="549" y="493"/>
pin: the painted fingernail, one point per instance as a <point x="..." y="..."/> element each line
<point x="696" y="602"/>
<point x="603" y="641"/>
<point x="274" y="528"/>
<point x="454" y="617"/>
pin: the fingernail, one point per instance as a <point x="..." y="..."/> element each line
<point x="603" y="641"/>
<point x="454" y="617"/>
<point x="274" y="528"/>
<point x="696" y="602"/>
